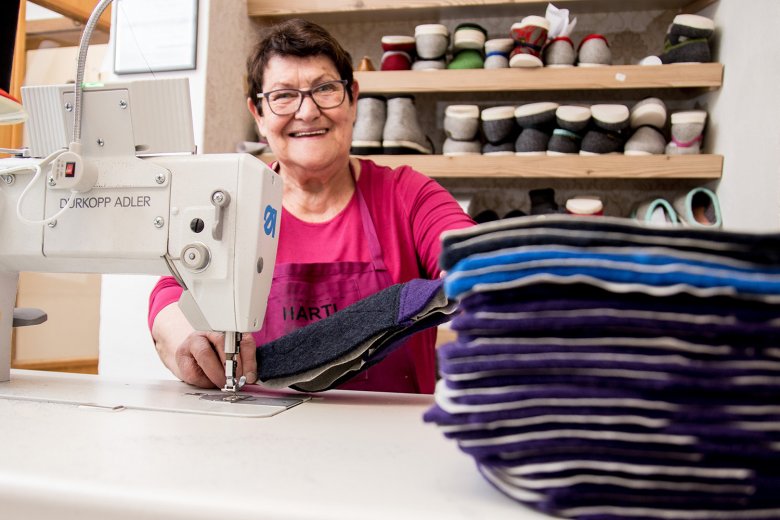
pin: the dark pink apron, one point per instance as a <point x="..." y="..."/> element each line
<point x="302" y="293"/>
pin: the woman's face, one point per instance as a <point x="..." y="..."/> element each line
<point x="311" y="138"/>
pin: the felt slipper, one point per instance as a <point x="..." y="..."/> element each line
<point x="461" y="122"/>
<point x="646" y="140"/>
<point x="563" y="142"/>
<point x="585" y="206"/>
<point x="396" y="60"/>
<point x="530" y="35"/>
<point x="689" y="27"/>
<point x="649" y="111"/>
<point x="399" y="43"/>
<point x="559" y="52"/>
<point x="497" y="53"/>
<point x="467" y="59"/>
<point x="599" y="142"/>
<point x="469" y="36"/>
<point x="498" y="124"/>
<point x="687" y="129"/>
<point x="537" y="115"/>
<point x="594" y="51"/>
<point x="532" y="141"/>
<point x="402" y="133"/>
<point x="699" y="208"/>
<point x="431" y="41"/>
<point x="610" y="117"/>
<point x="688" y="40"/>
<point x="655" y="211"/>
<point x="573" y="118"/>
<point x="369" y="125"/>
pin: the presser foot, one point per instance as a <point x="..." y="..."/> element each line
<point x="231" y="385"/>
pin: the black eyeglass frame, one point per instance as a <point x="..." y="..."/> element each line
<point x="303" y="93"/>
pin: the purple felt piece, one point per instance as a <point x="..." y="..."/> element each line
<point x="615" y="324"/>
<point x="555" y="297"/>
<point x="415" y="295"/>
<point x="697" y="385"/>
<point x="497" y="346"/>
<point x="591" y="363"/>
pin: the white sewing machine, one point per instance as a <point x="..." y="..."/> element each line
<point x="137" y="200"/>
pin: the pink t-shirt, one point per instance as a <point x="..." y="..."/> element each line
<point x="409" y="210"/>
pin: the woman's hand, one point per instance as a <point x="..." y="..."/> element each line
<point x="196" y="357"/>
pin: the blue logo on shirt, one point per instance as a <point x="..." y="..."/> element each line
<point x="270" y="221"/>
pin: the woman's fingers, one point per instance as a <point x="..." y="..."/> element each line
<point x="248" y="361"/>
<point x="201" y="359"/>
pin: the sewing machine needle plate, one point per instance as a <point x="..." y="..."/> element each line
<point x="92" y="392"/>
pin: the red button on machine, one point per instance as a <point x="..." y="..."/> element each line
<point x="70" y="169"/>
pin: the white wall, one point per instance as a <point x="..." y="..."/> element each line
<point x="745" y="112"/>
<point x="126" y="347"/>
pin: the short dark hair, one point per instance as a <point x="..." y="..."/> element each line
<point x="299" y="38"/>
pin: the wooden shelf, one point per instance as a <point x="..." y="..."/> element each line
<point x="691" y="75"/>
<point x="402" y="8"/>
<point x="704" y="166"/>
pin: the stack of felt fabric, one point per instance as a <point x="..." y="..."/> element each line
<point x="606" y="369"/>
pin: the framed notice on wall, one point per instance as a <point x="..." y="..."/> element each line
<point x="154" y="35"/>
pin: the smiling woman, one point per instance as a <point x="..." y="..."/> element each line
<point x="349" y="227"/>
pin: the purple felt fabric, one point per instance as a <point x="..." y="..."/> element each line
<point x="415" y="295"/>
<point x="546" y="297"/>
<point x="652" y="346"/>
<point x="755" y="334"/>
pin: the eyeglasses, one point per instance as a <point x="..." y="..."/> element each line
<point x="286" y="101"/>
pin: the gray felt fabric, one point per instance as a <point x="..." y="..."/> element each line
<point x="532" y="140"/>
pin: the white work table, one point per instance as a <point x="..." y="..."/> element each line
<point x="341" y="455"/>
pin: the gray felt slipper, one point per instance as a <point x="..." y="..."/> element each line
<point x="594" y="51"/>
<point x="564" y="142"/>
<point x="402" y="133"/>
<point x="650" y="111"/>
<point x="369" y="125"/>
<point x="497" y="53"/>
<point x="498" y="123"/>
<point x="646" y="140"/>
<point x="611" y="117"/>
<point x="573" y="118"/>
<point x="461" y="122"/>
<point x="559" y="52"/>
<point x="431" y="40"/>
<point x="537" y="115"/>
<point x="687" y="128"/>
<point x="532" y="141"/>
<point x="600" y="142"/>
<point x="688" y="40"/>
